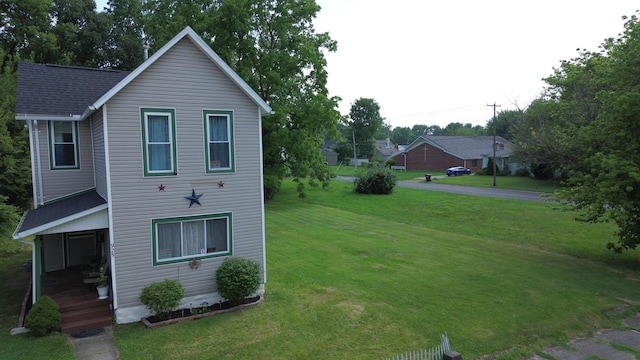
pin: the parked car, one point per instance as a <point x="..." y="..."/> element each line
<point x="458" y="170"/>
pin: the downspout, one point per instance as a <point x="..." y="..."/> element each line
<point x="40" y="195"/>
<point x="112" y="246"/>
<point x="34" y="267"/>
<point x="264" y="236"/>
<point x="32" y="154"/>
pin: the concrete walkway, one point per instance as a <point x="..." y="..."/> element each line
<point x="101" y="346"/>
<point x="604" y="344"/>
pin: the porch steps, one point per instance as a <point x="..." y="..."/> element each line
<point x="84" y="314"/>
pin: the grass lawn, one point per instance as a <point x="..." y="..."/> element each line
<point x="366" y="277"/>
<point x="14" y="282"/>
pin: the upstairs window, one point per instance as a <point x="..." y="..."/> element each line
<point x="159" y="142"/>
<point x="63" y="140"/>
<point x="219" y="155"/>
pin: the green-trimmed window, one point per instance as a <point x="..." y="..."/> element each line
<point x="159" y="141"/>
<point x="177" y="239"/>
<point x="218" y="126"/>
<point x="63" y="142"/>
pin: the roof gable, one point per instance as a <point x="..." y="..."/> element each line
<point x="197" y="40"/>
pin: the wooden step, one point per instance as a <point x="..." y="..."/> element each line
<point x="77" y="304"/>
<point x="86" y="324"/>
<point x="83" y="313"/>
<point x="86" y="313"/>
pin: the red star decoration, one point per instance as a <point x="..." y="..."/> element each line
<point x="161" y="187"/>
<point x="220" y="184"/>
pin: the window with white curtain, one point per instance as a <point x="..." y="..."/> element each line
<point x="159" y="138"/>
<point x="219" y="155"/>
<point x="63" y="140"/>
<point x="177" y="239"/>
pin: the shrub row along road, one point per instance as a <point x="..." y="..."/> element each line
<point x="466" y="190"/>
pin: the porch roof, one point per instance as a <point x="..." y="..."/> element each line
<point x="61" y="212"/>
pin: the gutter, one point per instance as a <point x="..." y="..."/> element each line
<point x="40" y="195"/>
<point x="70" y="117"/>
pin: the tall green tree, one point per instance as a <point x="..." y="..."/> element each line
<point x="402" y="135"/>
<point x="25" y="30"/>
<point x="82" y="34"/>
<point x="384" y="132"/>
<point x="365" y="122"/>
<point x="504" y="123"/>
<point x="124" y="48"/>
<point x="15" y="168"/>
<point x="587" y="124"/>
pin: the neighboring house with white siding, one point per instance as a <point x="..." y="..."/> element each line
<point x="141" y="172"/>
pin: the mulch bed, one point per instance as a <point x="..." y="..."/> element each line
<point x="198" y="313"/>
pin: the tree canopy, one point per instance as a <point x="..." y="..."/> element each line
<point x="365" y="122"/>
<point x="586" y="125"/>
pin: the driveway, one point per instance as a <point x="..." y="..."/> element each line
<point x="465" y="190"/>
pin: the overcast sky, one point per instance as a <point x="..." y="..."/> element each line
<point x="436" y="62"/>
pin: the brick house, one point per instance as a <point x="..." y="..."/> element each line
<point x="437" y="153"/>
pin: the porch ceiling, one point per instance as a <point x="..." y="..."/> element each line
<point x="79" y="212"/>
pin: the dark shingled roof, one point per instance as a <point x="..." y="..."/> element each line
<point x="60" y="209"/>
<point x="469" y="147"/>
<point x="45" y="89"/>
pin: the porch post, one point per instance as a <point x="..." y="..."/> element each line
<point x="36" y="268"/>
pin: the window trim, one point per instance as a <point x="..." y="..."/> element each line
<point x="144" y="113"/>
<point x="206" y="113"/>
<point x="183" y="259"/>
<point x="52" y="145"/>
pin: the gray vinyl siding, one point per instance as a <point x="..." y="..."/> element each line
<point x="62" y="182"/>
<point x="97" y="130"/>
<point x="184" y="80"/>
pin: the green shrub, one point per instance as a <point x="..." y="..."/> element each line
<point x="44" y="317"/>
<point x="271" y="186"/>
<point x="162" y="297"/>
<point x="390" y="162"/>
<point x="238" y="278"/>
<point x="375" y="180"/>
<point x="524" y="172"/>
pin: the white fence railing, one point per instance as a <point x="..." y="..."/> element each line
<point x="435" y="353"/>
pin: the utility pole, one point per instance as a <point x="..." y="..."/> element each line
<point x="355" y="159"/>
<point x="494" y="141"/>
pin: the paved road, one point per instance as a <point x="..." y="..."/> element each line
<point x="465" y="190"/>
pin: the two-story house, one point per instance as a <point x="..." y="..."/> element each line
<point x="137" y="173"/>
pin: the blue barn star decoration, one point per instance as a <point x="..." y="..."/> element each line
<point x="194" y="198"/>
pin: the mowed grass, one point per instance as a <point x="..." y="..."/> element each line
<point x="366" y="277"/>
<point x="14" y="280"/>
<point x="503" y="182"/>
